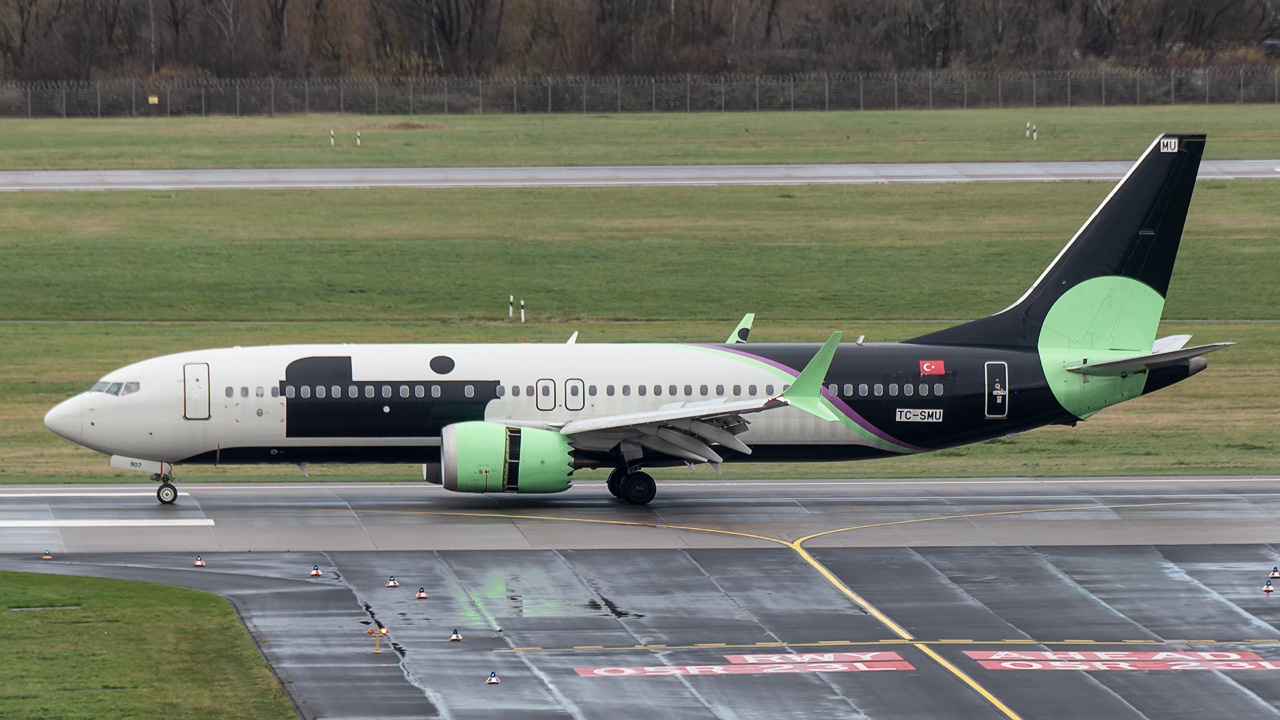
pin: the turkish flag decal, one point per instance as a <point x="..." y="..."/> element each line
<point x="932" y="367"/>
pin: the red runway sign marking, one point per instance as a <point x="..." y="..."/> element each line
<point x="747" y="669"/>
<point x="1121" y="660"/>
<point x="766" y="665"/>
<point x="878" y="656"/>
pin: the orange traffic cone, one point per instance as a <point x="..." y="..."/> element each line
<point x="422" y="594"/>
<point x="199" y="561"/>
<point x="315" y="571"/>
<point x="48" y="555"/>
<point x="455" y="637"/>
<point x="1267" y="588"/>
<point x="1275" y="572"/>
<point x="392" y="582"/>
<point x="493" y="679"/>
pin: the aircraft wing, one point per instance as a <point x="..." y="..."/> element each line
<point x="1138" y="363"/>
<point x="688" y="430"/>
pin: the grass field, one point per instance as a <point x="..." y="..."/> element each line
<point x="183" y="270"/>
<point x="1247" y="131"/>
<point x="120" y="649"/>
<point x="835" y="252"/>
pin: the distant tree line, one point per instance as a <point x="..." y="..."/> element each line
<point x="96" y="39"/>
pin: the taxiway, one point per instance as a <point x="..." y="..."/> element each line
<point x="999" y="598"/>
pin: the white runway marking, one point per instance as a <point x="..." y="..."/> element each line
<point x="55" y="493"/>
<point x="201" y="522"/>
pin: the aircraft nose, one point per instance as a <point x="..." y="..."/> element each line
<point x="64" y="419"/>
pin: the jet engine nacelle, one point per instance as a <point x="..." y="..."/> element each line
<point x="491" y="457"/>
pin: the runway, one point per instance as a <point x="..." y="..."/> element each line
<point x="986" y="598"/>
<point x="494" y="177"/>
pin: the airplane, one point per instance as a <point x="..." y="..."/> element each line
<point x="523" y="418"/>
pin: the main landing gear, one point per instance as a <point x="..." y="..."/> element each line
<point x="637" y="488"/>
<point x="166" y="493"/>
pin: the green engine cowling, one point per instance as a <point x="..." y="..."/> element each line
<point x="490" y="457"/>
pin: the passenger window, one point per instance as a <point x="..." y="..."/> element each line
<point x="288" y="391"/>
<point x="641" y="390"/>
<point x="626" y="390"/>
<point x="751" y="390"/>
<point x="435" y="391"/>
<point x="720" y="390"/>
<point x="515" y="391"/>
<point x="833" y="389"/>
<point x="469" y="391"/>
<point x="319" y="392"/>
<point x="737" y="390"/>
<point x="353" y="391"/>
<point x="672" y="390"/>
<point x="502" y="390"/>
<point x="879" y="389"/>
<point x="404" y="391"/>
<point x="848" y="390"/>
<point x="528" y="390"/>
<point x="608" y="390"/>
<point x="908" y="389"/>
<point x="546" y="391"/>
<point x="924" y="389"/>
<point x="688" y="390"/>
<point x="335" y="391"/>
<point x="862" y="390"/>
<point x="306" y="391"/>
<point x="657" y="389"/>
<point x="421" y="392"/>
<point x="573" y="390"/>
<point x="275" y="391"/>
<point x="591" y="390"/>
<point x="937" y="388"/>
<point x="244" y="391"/>
<point x="386" y="392"/>
<point x="768" y="390"/>
<point x="231" y="392"/>
<point x="893" y="389"/>
<point x="368" y="391"/>
<point x="702" y="390"/>
<point x="258" y="391"/>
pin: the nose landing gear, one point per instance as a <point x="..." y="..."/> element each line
<point x="167" y="493"/>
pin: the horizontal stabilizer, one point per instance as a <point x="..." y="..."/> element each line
<point x="1139" y="363"/>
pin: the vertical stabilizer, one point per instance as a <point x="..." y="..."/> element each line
<point x="1114" y="274"/>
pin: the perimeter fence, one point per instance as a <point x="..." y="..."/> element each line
<point x="685" y="93"/>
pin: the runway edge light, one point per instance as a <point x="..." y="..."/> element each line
<point x="422" y="594"/>
<point x="392" y="582"/>
<point x="199" y="561"/>
<point x="493" y="679"/>
<point x="1275" y="572"/>
<point x="48" y="555"/>
<point x="315" y="571"/>
<point x="455" y="637"/>
<point x="1267" y="588"/>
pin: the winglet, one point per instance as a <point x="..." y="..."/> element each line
<point x="741" y="332"/>
<point x="806" y="392"/>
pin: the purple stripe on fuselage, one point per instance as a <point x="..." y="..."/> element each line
<point x="839" y="404"/>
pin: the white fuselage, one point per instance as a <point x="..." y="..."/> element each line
<point x="213" y="401"/>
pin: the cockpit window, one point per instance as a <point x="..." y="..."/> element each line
<point x="100" y="387"/>
<point x="114" y="389"/>
<point x="129" y="388"/>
